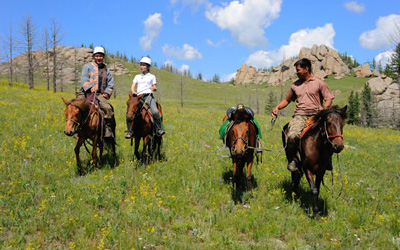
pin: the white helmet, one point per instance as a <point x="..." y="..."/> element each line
<point x="99" y="50"/>
<point x="146" y="60"/>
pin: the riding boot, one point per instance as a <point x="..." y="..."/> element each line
<point x="129" y="132"/>
<point x="108" y="132"/>
<point x="329" y="165"/>
<point x="291" y="156"/>
<point x="157" y="124"/>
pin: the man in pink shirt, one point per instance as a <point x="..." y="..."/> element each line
<point x="309" y="92"/>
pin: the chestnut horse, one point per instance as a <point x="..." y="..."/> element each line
<point x="241" y="141"/>
<point x="84" y="120"/>
<point x="138" y="117"/>
<point x="322" y="139"/>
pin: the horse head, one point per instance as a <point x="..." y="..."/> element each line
<point x="238" y="137"/>
<point x="332" y="121"/>
<point x="73" y="115"/>
<point x="133" y="106"/>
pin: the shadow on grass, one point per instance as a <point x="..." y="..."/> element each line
<point x="304" y="196"/>
<point x="241" y="193"/>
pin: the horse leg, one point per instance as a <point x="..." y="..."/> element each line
<point x="94" y="151"/>
<point x="234" y="178"/>
<point x="314" y="191"/>
<point x="137" y="143"/>
<point x="248" y="176"/>
<point x="145" y="144"/>
<point x="101" y="145"/>
<point x="296" y="176"/>
<point x="77" y="149"/>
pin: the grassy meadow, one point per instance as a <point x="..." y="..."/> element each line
<point x="185" y="201"/>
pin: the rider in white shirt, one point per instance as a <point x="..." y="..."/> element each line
<point x="146" y="85"/>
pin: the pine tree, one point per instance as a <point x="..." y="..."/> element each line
<point x="368" y="112"/>
<point x="270" y="103"/>
<point x="354" y="109"/>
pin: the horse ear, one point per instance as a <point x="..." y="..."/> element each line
<point x="66" y="102"/>
<point x="344" y="109"/>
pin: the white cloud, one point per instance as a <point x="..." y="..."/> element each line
<point x="213" y="44"/>
<point x="354" y="7"/>
<point x="152" y="28"/>
<point x="302" y="38"/>
<point x="187" y="52"/>
<point x="184" y="68"/>
<point x="379" y="38"/>
<point x="229" y="77"/>
<point x="384" y="58"/>
<point x="246" y="20"/>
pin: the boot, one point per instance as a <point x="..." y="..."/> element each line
<point x="291" y="151"/>
<point x="129" y="132"/>
<point x="157" y="124"/>
<point x="108" y="132"/>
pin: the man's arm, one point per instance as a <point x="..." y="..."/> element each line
<point x="281" y="105"/>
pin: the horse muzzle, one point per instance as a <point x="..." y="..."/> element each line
<point x="69" y="133"/>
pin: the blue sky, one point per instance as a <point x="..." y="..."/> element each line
<point x="216" y="37"/>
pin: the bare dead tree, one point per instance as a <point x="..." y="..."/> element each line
<point x="46" y="47"/>
<point x="28" y="42"/>
<point x="9" y="50"/>
<point x="56" y="39"/>
<point x="75" y="71"/>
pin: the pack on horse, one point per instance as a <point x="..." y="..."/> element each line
<point x="85" y="121"/>
<point x="241" y="139"/>
<point x="139" y="120"/>
<point x="322" y="138"/>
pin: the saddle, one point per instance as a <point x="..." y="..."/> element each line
<point x="307" y="125"/>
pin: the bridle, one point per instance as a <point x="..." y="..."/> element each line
<point x="328" y="136"/>
<point x="78" y="124"/>
<point x="246" y="146"/>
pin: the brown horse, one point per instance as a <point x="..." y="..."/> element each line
<point x="84" y="120"/>
<point x="138" y="117"/>
<point x="241" y="141"/>
<point x="317" y="145"/>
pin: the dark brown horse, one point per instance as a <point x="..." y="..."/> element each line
<point x="241" y="141"/>
<point x="138" y="116"/>
<point x="317" y="145"/>
<point x="84" y="120"/>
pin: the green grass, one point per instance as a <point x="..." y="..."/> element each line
<point x="185" y="202"/>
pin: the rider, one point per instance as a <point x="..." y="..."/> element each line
<point x="98" y="82"/>
<point x="309" y="92"/>
<point x="146" y="85"/>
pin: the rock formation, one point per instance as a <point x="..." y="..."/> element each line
<point x="67" y="58"/>
<point x="387" y="95"/>
<point x="325" y="61"/>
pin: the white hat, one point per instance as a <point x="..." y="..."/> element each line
<point x="146" y="60"/>
<point x="98" y="50"/>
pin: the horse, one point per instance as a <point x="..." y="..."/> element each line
<point x="241" y="140"/>
<point x="317" y="145"/>
<point x="138" y="117"/>
<point x="85" y="120"/>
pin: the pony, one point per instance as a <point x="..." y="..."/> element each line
<point x="318" y="143"/>
<point x="85" y="121"/>
<point x="138" y="118"/>
<point x="241" y="140"/>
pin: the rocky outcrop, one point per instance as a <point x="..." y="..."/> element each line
<point x="325" y="61"/>
<point x="387" y="95"/>
<point x="67" y="57"/>
<point x="363" y="71"/>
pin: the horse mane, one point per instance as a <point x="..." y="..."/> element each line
<point x="83" y="106"/>
<point x="321" y="116"/>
